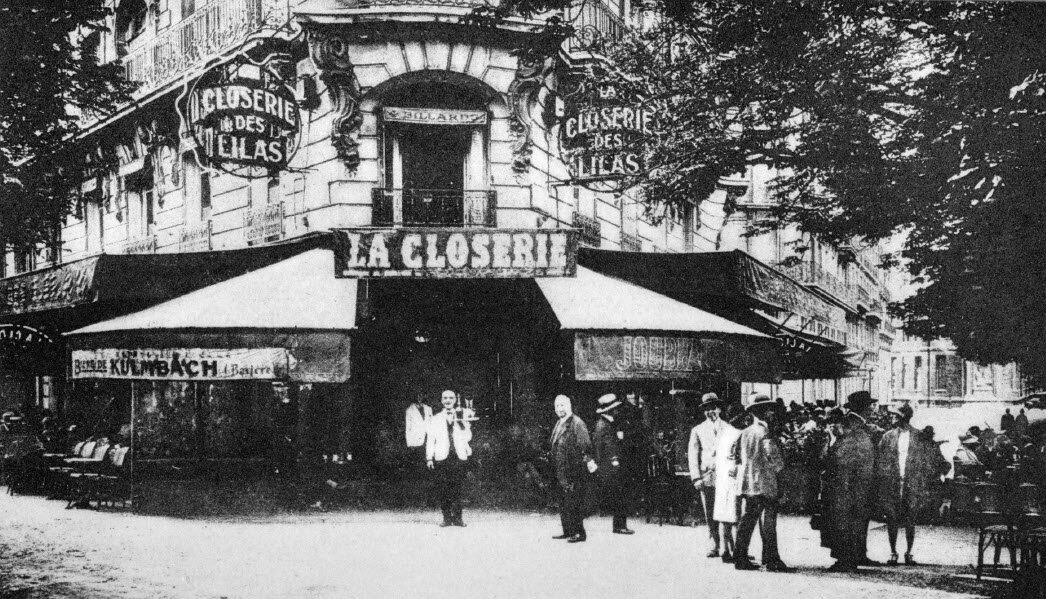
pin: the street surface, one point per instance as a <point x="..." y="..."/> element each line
<point x="47" y="551"/>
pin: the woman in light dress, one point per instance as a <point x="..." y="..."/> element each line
<point x="727" y="501"/>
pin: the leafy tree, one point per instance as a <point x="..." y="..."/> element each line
<point x="49" y="75"/>
<point x="921" y="119"/>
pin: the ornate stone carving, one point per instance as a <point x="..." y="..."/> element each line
<point x="330" y="53"/>
<point x="531" y="76"/>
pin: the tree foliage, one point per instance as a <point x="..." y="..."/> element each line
<point x="885" y="118"/>
<point x="49" y="75"/>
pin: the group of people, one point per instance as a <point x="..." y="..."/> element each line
<point x="607" y="454"/>
<point x="1016" y="453"/>
<point x="735" y="458"/>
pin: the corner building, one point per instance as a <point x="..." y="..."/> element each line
<point x="425" y="235"/>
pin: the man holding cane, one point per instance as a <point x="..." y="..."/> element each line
<point x="701" y="452"/>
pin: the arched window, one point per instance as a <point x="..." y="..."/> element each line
<point x="435" y="171"/>
<point x="131" y="16"/>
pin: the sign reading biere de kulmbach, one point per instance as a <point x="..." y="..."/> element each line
<point x="456" y="253"/>
<point x="180" y="364"/>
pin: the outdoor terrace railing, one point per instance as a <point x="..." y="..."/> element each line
<point x="214" y="28"/>
<point x="434" y="207"/>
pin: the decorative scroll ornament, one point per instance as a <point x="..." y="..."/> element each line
<point x="330" y="53"/>
<point x="532" y="73"/>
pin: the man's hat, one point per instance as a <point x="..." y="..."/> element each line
<point x="969" y="439"/>
<point x="904" y="411"/>
<point x="759" y="400"/>
<point x="607" y="402"/>
<point x="710" y="401"/>
<point x="734" y="413"/>
<point x="858" y="401"/>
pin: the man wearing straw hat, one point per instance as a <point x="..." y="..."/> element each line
<point x="606" y="439"/>
<point x="758" y="460"/>
<point x="701" y="453"/>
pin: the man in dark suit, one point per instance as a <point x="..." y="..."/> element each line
<point x="572" y="457"/>
<point x="758" y="460"/>
<point x="609" y="458"/>
<point x="858" y="408"/>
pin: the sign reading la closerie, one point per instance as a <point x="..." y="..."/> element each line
<point x="180" y="364"/>
<point x="456" y="253"/>
<point x="244" y="117"/>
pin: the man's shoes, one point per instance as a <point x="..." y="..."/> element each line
<point x="713" y="553"/>
<point x="460" y="523"/>
<point x="624" y="531"/>
<point x="909" y="561"/>
<point x="871" y="563"/>
<point x="842" y="567"/>
<point x="727" y="558"/>
<point x="445" y="524"/>
<point x="563" y="536"/>
<point x="744" y="564"/>
<point x="893" y="560"/>
<point x="576" y="539"/>
<point x="779" y="566"/>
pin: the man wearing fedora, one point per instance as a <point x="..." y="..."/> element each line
<point x="857" y="409"/>
<point x="701" y="454"/>
<point x="606" y="439"/>
<point x="908" y="465"/>
<point x="572" y="456"/>
<point x="758" y="460"/>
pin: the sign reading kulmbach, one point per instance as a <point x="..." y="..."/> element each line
<point x="244" y="118"/>
<point x="456" y="253"/>
<point x="603" y="138"/>
<point x="181" y="364"/>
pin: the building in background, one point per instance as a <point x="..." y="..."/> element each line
<point x="931" y="373"/>
<point x="428" y="203"/>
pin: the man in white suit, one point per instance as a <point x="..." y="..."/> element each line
<point x="447" y="452"/>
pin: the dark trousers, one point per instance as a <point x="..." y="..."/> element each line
<point x="616" y="499"/>
<point x="572" y="509"/>
<point x="450" y="474"/>
<point x="754" y="507"/>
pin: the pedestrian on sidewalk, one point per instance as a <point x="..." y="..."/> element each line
<point x="701" y="453"/>
<point x="606" y="439"/>
<point x="847" y="482"/>
<point x="447" y="452"/>
<point x="571" y="453"/>
<point x="757" y="460"/>
<point x="727" y="503"/>
<point x="908" y="465"/>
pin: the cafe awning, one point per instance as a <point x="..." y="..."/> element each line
<point x="296" y="304"/>
<point x="624" y="331"/>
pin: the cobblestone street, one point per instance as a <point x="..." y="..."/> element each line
<point x="46" y="551"/>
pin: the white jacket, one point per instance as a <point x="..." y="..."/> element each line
<point x="417" y="424"/>
<point x="437" y="445"/>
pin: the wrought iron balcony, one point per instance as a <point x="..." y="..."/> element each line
<point x="434" y="207"/>
<point x="214" y="28"/>
<point x="815" y="276"/>
<point x="594" y="22"/>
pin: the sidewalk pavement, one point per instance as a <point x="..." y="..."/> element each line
<point x="46" y="551"/>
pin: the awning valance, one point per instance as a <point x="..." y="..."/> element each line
<point x="626" y="332"/>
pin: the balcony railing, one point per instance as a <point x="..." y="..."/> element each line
<point x="216" y="27"/>
<point x="593" y="22"/>
<point x="813" y="275"/>
<point x="434" y="207"/>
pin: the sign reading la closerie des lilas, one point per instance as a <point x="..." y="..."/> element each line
<point x="603" y="137"/>
<point x="244" y="118"/>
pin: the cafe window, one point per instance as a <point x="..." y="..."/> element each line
<point x="434" y="158"/>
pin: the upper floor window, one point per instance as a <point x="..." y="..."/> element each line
<point x="131" y="18"/>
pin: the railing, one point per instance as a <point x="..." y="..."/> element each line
<point x="263" y="224"/>
<point x="214" y="28"/>
<point x="434" y="207"/>
<point x="591" y="231"/>
<point x="141" y="245"/>
<point x="812" y="274"/>
<point x="593" y="22"/>
<point x="195" y="238"/>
